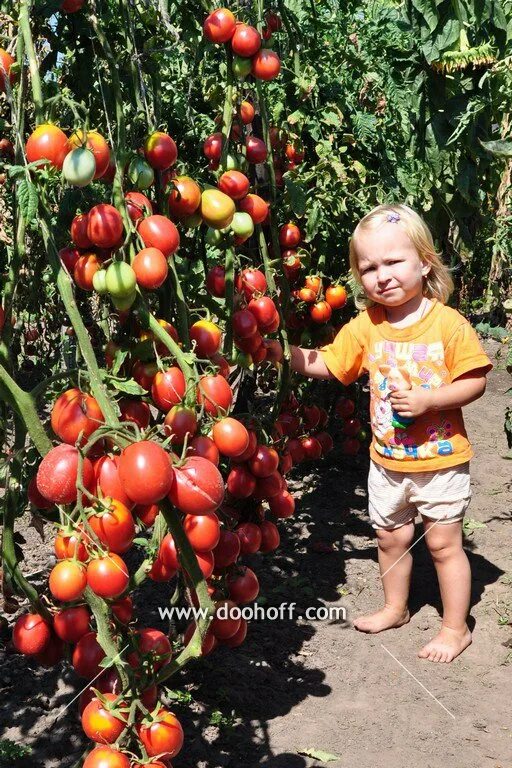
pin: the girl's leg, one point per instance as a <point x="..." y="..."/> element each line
<point x="395" y="564"/>
<point x="454" y="574"/>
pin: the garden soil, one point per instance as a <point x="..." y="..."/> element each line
<point x="304" y="693"/>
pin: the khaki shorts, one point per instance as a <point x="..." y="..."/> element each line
<point x="395" y="498"/>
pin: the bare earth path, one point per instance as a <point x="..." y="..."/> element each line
<point x="302" y="685"/>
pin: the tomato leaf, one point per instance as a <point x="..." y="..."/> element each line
<point x="119" y="358"/>
<point x="317" y="754"/>
<point x="28" y="199"/>
<point x="296" y="196"/>
<point x="499" y="148"/>
<point x="129" y="386"/>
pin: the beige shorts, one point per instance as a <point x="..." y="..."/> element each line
<point x="395" y="498"/>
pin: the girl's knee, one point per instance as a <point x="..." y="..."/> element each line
<point x="395" y="538"/>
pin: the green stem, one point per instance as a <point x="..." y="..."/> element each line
<point x="23" y="403"/>
<point x="229" y="273"/>
<point x="100" y="610"/>
<point x="181" y="305"/>
<point x="37" y="93"/>
<point x="227" y="114"/>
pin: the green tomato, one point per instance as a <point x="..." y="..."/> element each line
<point x="79" y="167"/>
<point x="214" y="236"/>
<point x="241" y="67"/>
<point x="140" y="173"/>
<point x="232" y="163"/>
<point x="193" y="221"/>
<point x="242" y="359"/>
<point x="120" y="280"/>
<point x="99" y="281"/>
<point x="242" y="225"/>
<point x="123" y="303"/>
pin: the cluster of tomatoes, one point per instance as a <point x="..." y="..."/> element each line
<point x="250" y="57"/>
<point x="287" y="153"/>
<point x="319" y="301"/>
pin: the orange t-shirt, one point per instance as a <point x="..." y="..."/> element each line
<point x="430" y="353"/>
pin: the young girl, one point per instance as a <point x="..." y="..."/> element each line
<point x="424" y="362"/>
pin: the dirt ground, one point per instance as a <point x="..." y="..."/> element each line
<point x="300" y="686"/>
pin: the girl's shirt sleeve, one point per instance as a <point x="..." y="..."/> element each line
<point x="464" y="353"/>
<point x="344" y="357"/>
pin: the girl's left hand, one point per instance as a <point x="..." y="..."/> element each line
<point x="410" y="403"/>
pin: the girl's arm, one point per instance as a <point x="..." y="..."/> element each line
<point x="309" y="362"/>
<point x="416" y="401"/>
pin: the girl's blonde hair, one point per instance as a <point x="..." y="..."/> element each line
<point x="437" y="284"/>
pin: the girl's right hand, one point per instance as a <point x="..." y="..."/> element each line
<point x="309" y="362"/>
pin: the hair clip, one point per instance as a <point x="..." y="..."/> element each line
<point x="393" y="217"/>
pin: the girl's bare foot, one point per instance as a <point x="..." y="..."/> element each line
<point x="386" y="618"/>
<point x="446" y="645"/>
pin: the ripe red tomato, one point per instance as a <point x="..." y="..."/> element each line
<point x="215" y="394"/>
<point x="205" y="447"/>
<point x="162" y="736"/>
<point x="106" y="757"/>
<point x="207" y="337"/>
<point x="246" y="40"/>
<point x="106" y="473"/>
<point x="224" y="624"/>
<point x="264" y="461"/>
<point x="72" y="623"/>
<point x="79" y="231"/>
<point x="311" y="416"/>
<point x="203" y="531"/>
<point x="123" y="609"/>
<point x="266" y="65"/>
<point x="230" y="436"/>
<point x="107" y="576"/>
<point x="69" y="257"/>
<point x="87" y="655"/>
<point x="57" y="474"/>
<point x="244" y="324"/>
<point x="160" y="572"/>
<point x="113" y="524"/>
<point x="160" y="150"/>
<point x="350" y="446"/>
<point x="267" y="487"/>
<point x="185" y="197"/>
<point x="256" y="151"/>
<point x="150" y="644"/>
<point x="6" y="62"/>
<point x="283" y="504"/>
<point x="180" y="422"/>
<point x="98" y="146"/>
<point x="135" y="411"/>
<point x="243" y="585"/>
<point x="206" y="563"/>
<point x="270" y="538"/>
<point x="296" y="450"/>
<point x="138" y="206"/>
<point x="325" y="441"/>
<point x="70" y="545"/>
<point x="249" y="451"/>
<point x="222" y="364"/>
<point x="216" y="281"/>
<point x="31" y="634"/>
<point x="159" y="232"/>
<point x="100" y="723"/>
<point x="234" y="184"/>
<point x="320" y="312"/>
<point x="251" y="281"/>
<point x="105" y="226"/>
<point x="351" y="427"/>
<point x="47" y="142"/>
<point x="168" y="388"/>
<point x="345" y="407"/>
<point x="264" y="311"/>
<point x="35" y="497"/>
<point x="71" y="6"/>
<point x="212" y="147"/>
<point x="227" y="550"/>
<point x="240" y="482"/>
<point x="336" y="296"/>
<point x="250" y="537"/>
<point x="75" y="412"/>
<point x="238" y="638"/>
<point x="150" y="267"/>
<point x="255" y="206"/>
<point x="219" y="26"/>
<point x="312" y="448"/>
<point x="67" y="580"/>
<point x="289" y="235"/>
<point x="246" y="112"/>
<point x="85" y="269"/>
<point x="146" y="513"/>
<point x="146" y="472"/>
<point x="168" y="553"/>
<point x="198" y="486"/>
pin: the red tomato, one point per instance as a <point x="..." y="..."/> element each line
<point x="123" y="609"/>
<point x="106" y="757"/>
<point x="160" y="572"/>
<point x="282" y="505"/>
<point x="203" y="531"/>
<point x="266" y="65"/>
<point x="31" y="634"/>
<point x="69" y="257"/>
<point x="345" y="407"/>
<point x="351" y="427"/>
<point x="230" y="436"/>
<point x="251" y="447"/>
<point x="234" y="184"/>
<point x="85" y="269"/>
<point x="160" y="150"/>
<point x="216" y="281"/>
<point x="296" y="450"/>
<point x="267" y="487"/>
<point x="105" y="226"/>
<point x="151" y="645"/>
<point x="198" y="486"/>
<point x="206" y="563"/>
<point x="67" y="580"/>
<point x="205" y="447"/>
<point x="71" y="6"/>
<point x="246" y="40"/>
<point x="215" y="394"/>
<point x="207" y="337"/>
<point x="264" y="311"/>
<point x="135" y="411"/>
<point x="47" y="142"/>
<point x="256" y="151"/>
<point x="244" y="324"/>
<point x="336" y="296"/>
<point x="243" y="585"/>
<point x="6" y="62"/>
<point x="98" y="146"/>
<point x="320" y="312"/>
<point x="146" y="513"/>
<point x="238" y="638"/>
<point x="180" y="422"/>
<point x="251" y="281"/>
<point x="250" y="538"/>
<point x="106" y="472"/>
<point x="163" y="736"/>
<point x="311" y="416"/>
<point x="240" y="482"/>
<point x="72" y="623"/>
<point x="270" y="538"/>
<point x="212" y="147"/>
<point x="113" y="524"/>
<point x="146" y="472"/>
<point x="150" y="267"/>
<point x="264" y="461"/>
<point x="70" y="545"/>
<point x="107" y="576"/>
<point x="168" y="388"/>
<point x="185" y="197"/>
<point x="222" y="364"/>
<point x="75" y="412"/>
<point x="289" y="235"/>
<point x="87" y="655"/>
<point x="79" y="231"/>
<point x="325" y="441"/>
<point x="227" y="550"/>
<point x="219" y="26"/>
<point x="224" y="625"/>
<point x="209" y="640"/>
<point x="312" y="448"/>
<point x="168" y="553"/>
<point x="57" y="474"/>
<point x="159" y="232"/>
<point x="246" y="112"/>
<point x="138" y="206"/>
<point x="100" y="723"/>
<point x="255" y="206"/>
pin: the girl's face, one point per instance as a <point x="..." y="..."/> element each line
<point x="391" y="271"/>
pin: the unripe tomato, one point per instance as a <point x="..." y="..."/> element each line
<point x="336" y="296"/>
<point x="241" y="67"/>
<point x="212" y="147"/>
<point x="67" y="580"/>
<point x="219" y="26"/>
<point x="266" y="65"/>
<point x="320" y="312"/>
<point x="137" y="205"/>
<point x="234" y="184"/>
<point x="289" y="235"/>
<point x="159" y="232"/>
<point x="85" y="269"/>
<point x="57" y="474"/>
<point x="31" y="634"/>
<point x="79" y="167"/>
<point x="107" y="576"/>
<point x="150" y="267"/>
<point x="79" y="231"/>
<point x="140" y="173"/>
<point x="216" y="281"/>
<point x="99" y="281"/>
<point x="207" y="337"/>
<point x="105" y="226"/>
<point x="160" y="150"/>
<point x="185" y="197"/>
<point x="180" y="422"/>
<point x="97" y="145"/>
<point x="246" y="112"/>
<point x="217" y="209"/>
<point x="120" y="280"/>
<point x="145" y="471"/>
<point x="255" y="206"/>
<point x="243" y="226"/>
<point x="246" y="40"/>
<point x="256" y="151"/>
<point x="47" y="142"/>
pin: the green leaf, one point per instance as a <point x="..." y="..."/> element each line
<point x="119" y="358"/>
<point x="469" y="525"/>
<point x="129" y="386"/>
<point x="318" y="754"/>
<point x="427" y="8"/>
<point x="28" y="199"/>
<point x="314" y="220"/>
<point x="296" y="196"/>
<point x="499" y="148"/>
